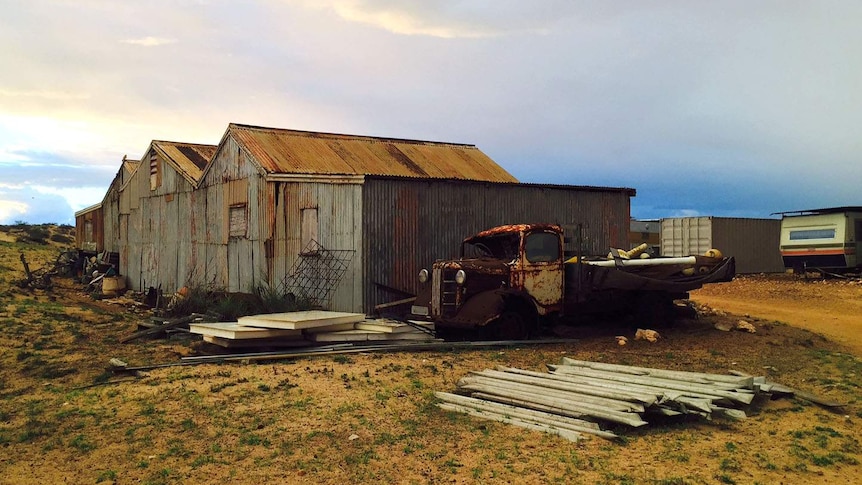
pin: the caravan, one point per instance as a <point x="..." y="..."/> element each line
<point x="828" y="239"/>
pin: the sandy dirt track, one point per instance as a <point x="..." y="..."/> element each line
<point x="832" y="308"/>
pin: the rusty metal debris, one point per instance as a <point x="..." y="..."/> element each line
<point x="348" y="348"/>
<point x="63" y="265"/>
<point x="316" y="273"/>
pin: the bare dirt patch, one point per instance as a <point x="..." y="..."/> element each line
<point x="830" y="307"/>
<point x="372" y="417"/>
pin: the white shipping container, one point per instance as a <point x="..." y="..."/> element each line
<point x="753" y="242"/>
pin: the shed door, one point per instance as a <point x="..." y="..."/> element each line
<point x="308" y="221"/>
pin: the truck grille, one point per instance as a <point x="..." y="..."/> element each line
<point x="444" y="292"/>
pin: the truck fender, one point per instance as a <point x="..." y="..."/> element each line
<point x="487" y="306"/>
<point x="481" y="308"/>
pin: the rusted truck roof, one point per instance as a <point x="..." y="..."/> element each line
<point x="513" y="228"/>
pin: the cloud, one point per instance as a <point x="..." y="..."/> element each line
<point x="712" y="107"/>
<point x="11" y="210"/>
<point x="149" y="41"/>
<point x="53" y="95"/>
<point x="446" y="20"/>
<point x="32" y="167"/>
<point x="30" y="206"/>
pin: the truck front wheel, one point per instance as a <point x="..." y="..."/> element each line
<point x="510" y="325"/>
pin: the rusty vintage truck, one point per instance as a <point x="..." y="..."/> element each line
<point x="510" y="279"/>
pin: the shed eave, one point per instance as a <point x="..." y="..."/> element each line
<point x="88" y="209"/>
<point x="315" y="178"/>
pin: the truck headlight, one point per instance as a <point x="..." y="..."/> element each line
<point x="423" y="275"/>
<point x="460" y="277"/>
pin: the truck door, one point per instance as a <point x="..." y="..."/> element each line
<point x="542" y="270"/>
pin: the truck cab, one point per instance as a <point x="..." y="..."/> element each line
<point x="504" y="279"/>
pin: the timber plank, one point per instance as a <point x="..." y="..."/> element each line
<point x="338" y="327"/>
<point x="364" y="335"/>
<point x="235" y="331"/>
<point x="388" y="326"/>
<point x="256" y="343"/>
<point x="300" y="320"/>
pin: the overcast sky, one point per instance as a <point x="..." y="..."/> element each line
<point x="725" y="108"/>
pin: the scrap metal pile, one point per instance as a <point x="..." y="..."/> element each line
<point x="574" y="397"/>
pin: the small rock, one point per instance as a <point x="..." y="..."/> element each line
<point x="648" y="335"/>
<point x="353" y="437"/>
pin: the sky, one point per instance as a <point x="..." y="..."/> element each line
<point x="717" y="108"/>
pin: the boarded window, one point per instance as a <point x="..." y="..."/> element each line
<point x="238" y="221"/>
<point x="155" y="171"/>
<point x="308" y="230"/>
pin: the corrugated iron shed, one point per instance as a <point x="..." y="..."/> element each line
<point x="303" y="152"/>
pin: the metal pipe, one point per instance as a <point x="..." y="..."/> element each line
<point x="611" y="263"/>
<point x="617" y="405"/>
<point x="542" y="417"/>
<point x="535" y="402"/>
<point x="392" y="347"/>
<point x="492" y="393"/>
<point x="643" y="398"/>
<point x="563" y="433"/>
<point x="733" y="379"/>
<point x="742" y="396"/>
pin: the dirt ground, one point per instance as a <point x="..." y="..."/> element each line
<point x="832" y="308"/>
<point x="372" y="417"/>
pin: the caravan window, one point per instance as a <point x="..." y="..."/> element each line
<point x="812" y="234"/>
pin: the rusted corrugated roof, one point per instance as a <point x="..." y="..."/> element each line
<point x="130" y="165"/>
<point x="302" y="152"/>
<point x="188" y="158"/>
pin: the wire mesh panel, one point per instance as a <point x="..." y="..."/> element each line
<point x="316" y="273"/>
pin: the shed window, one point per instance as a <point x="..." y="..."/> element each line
<point x="542" y="247"/>
<point x="238" y="221"/>
<point x="155" y="171"/>
<point x="812" y="234"/>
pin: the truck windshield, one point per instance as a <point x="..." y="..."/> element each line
<point x="503" y="246"/>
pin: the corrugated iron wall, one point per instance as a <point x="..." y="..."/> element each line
<point x="89" y="230"/>
<point x="338" y="210"/>
<point x="754" y="243"/>
<point x="234" y="263"/>
<point x="408" y="224"/>
<point x="156" y="249"/>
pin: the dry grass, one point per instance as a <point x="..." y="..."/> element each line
<point x="361" y="418"/>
